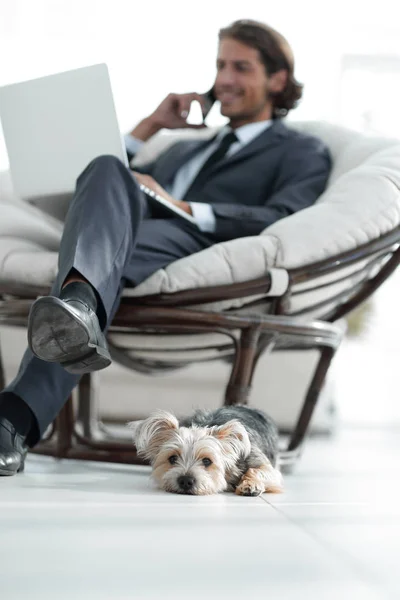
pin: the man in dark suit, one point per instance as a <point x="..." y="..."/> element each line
<point x="254" y="172"/>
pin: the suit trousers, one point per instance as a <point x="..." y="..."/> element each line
<point x="112" y="238"/>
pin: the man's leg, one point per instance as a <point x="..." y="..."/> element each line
<point x="99" y="234"/>
<point x="101" y="228"/>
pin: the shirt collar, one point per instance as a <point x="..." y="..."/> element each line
<point x="246" y="133"/>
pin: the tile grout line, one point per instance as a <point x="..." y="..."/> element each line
<point x="348" y="560"/>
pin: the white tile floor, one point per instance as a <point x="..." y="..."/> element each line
<point x="89" y="530"/>
<point x="96" y="531"/>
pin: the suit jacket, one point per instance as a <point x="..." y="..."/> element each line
<point x="278" y="173"/>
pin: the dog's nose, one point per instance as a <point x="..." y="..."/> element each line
<point x="186" y="482"/>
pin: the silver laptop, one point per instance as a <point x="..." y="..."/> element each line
<point x="55" y="125"/>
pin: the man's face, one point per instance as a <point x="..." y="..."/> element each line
<point x="242" y="85"/>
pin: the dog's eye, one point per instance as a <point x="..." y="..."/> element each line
<point x="173" y="459"/>
<point x="206" y="462"/>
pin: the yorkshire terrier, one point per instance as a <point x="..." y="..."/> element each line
<point x="234" y="448"/>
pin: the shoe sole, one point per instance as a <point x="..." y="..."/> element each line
<point x="7" y="473"/>
<point x="57" y="335"/>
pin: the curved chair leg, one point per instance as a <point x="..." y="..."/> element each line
<point x="65" y="429"/>
<point x="247" y="355"/>
<point x="289" y="457"/>
<point x="87" y="417"/>
<point x="60" y="440"/>
<point x="88" y="423"/>
<point x="265" y="346"/>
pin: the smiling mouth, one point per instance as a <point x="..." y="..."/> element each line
<point x="227" y="97"/>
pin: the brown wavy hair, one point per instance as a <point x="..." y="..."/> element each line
<point x="275" y="53"/>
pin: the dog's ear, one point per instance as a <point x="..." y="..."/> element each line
<point x="133" y="426"/>
<point x="234" y="434"/>
<point x="151" y="433"/>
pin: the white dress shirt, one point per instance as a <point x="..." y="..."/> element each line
<point x="203" y="212"/>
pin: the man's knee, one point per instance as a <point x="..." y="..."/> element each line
<point x="104" y="163"/>
<point x="107" y="160"/>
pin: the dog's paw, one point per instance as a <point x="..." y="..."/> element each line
<point x="249" y="487"/>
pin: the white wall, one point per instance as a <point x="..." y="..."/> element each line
<point x="154" y="47"/>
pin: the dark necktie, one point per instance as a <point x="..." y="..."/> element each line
<point x="197" y="183"/>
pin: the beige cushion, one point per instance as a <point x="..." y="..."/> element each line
<point x="21" y="220"/>
<point x="22" y="261"/>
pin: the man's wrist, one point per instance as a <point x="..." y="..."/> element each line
<point x="145" y="129"/>
<point x="186" y="207"/>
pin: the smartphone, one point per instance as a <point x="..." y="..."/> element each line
<point x="210" y="99"/>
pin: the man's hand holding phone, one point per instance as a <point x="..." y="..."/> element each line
<point x="172" y="113"/>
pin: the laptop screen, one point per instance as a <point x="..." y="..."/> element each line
<point x="55" y="125"/>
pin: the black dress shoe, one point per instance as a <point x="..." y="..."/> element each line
<point x="67" y="332"/>
<point x="13" y="449"/>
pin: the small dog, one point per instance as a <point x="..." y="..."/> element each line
<point x="233" y="448"/>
